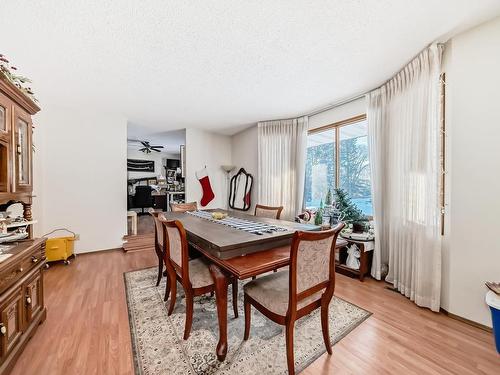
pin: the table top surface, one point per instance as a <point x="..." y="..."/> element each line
<point x="221" y="239"/>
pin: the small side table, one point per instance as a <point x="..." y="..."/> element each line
<point x="365" y="258"/>
<point x="133" y="216"/>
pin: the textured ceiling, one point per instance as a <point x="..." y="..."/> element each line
<point x="219" y="64"/>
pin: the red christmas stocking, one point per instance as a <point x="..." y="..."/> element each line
<point x="208" y="193"/>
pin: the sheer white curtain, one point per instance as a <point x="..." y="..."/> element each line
<point x="281" y="160"/>
<point x="404" y="131"/>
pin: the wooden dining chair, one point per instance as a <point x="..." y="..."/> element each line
<point x="159" y="248"/>
<point x="183" y="207"/>
<point x="288" y="295"/>
<point x="194" y="275"/>
<point x="268" y="211"/>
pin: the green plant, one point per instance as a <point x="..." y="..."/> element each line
<point x="349" y="211"/>
<point x="328" y="199"/>
<point x="318" y="219"/>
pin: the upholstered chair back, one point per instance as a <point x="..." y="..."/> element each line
<point x="158" y="227"/>
<point x="183" y="207"/>
<point x="268" y="211"/>
<point x="175" y="245"/>
<point x="313" y="259"/>
<point x="313" y="263"/>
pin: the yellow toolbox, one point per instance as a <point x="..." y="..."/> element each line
<point x="60" y="248"/>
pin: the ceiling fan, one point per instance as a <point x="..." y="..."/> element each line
<point x="147" y="147"/>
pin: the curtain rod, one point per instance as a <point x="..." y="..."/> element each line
<point x="336" y="104"/>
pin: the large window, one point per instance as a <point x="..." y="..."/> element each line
<point x="337" y="156"/>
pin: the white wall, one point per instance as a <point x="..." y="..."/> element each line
<point x="472" y="249"/>
<point x="212" y="150"/>
<point x="158" y="157"/>
<point x="244" y="155"/>
<point x="80" y="176"/>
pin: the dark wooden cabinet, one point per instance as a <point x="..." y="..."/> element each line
<point x="22" y="306"/>
<point x="11" y="317"/>
<point x="16" y="145"/>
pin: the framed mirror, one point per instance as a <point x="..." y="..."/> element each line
<point x="240" y="190"/>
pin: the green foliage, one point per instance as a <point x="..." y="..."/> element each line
<point x="350" y="212"/>
<point x="328" y="199"/>
<point x="353" y="167"/>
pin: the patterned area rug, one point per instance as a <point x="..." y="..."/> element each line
<point x="158" y="347"/>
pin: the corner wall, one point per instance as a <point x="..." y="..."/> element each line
<point x="471" y="254"/>
<point x="211" y="150"/>
<point x="80" y="176"/>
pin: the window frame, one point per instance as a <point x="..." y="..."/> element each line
<point x="337" y="126"/>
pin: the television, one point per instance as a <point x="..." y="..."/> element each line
<point x="173" y="163"/>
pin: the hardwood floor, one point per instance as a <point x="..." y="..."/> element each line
<point x="87" y="331"/>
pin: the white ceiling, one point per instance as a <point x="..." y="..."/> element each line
<point x="170" y="140"/>
<point x="223" y="64"/>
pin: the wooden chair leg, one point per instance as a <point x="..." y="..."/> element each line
<point x="189" y="315"/>
<point x="289" y="347"/>
<point x="247" y="317"/>
<point x="234" y="287"/>
<point x="167" y="289"/>
<point x="173" y="296"/>
<point x="325" y="326"/>
<point x="160" y="270"/>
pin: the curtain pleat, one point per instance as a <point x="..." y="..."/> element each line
<point x="403" y="135"/>
<point x="281" y="160"/>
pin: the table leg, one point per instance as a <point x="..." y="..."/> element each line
<point x="221" y="284"/>
<point x="363" y="262"/>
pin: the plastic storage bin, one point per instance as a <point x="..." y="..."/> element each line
<point x="60" y="248"/>
<point x="493" y="301"/>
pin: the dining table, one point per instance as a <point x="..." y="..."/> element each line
<point x="238" y="246"/>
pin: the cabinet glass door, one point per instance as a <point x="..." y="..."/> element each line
<point x="23" y="152"/>
<point x="3" y="118"/>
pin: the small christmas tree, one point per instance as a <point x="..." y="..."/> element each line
<point x="328" y="199"/>
<point x="318" y="219"/>
<point x="350" y="213"/>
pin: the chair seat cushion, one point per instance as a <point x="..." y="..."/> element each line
<point x="271" y="291"/>
<point x="199" y="273"/>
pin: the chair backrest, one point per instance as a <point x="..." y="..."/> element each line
<point x="312" y="263"/>
<point x="176" y="247"/>
<point x="268" y="211"/>
<point x="143" y="195"/>
<point x="158" y="229"/>
<point x="183" y="207"/>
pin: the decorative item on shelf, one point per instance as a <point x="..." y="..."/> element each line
<point x="22" y="83"/>
<point x="353" y="255"/>
<point x="304" y="217"/>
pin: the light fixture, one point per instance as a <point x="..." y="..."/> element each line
<point x="228" y="168"/>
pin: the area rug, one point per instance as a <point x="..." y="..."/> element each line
<point x="158" y="347"/>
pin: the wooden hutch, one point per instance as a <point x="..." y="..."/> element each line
<point x="22" y="306"/>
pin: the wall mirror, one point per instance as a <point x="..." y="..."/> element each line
<point x="240" y="190"/>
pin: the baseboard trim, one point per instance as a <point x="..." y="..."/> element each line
<point x="467" y="321"/>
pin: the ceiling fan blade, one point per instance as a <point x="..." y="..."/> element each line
<point x="145" y="144"/>
<point x="154" y="149"/>
<point x="156" y="146"/>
